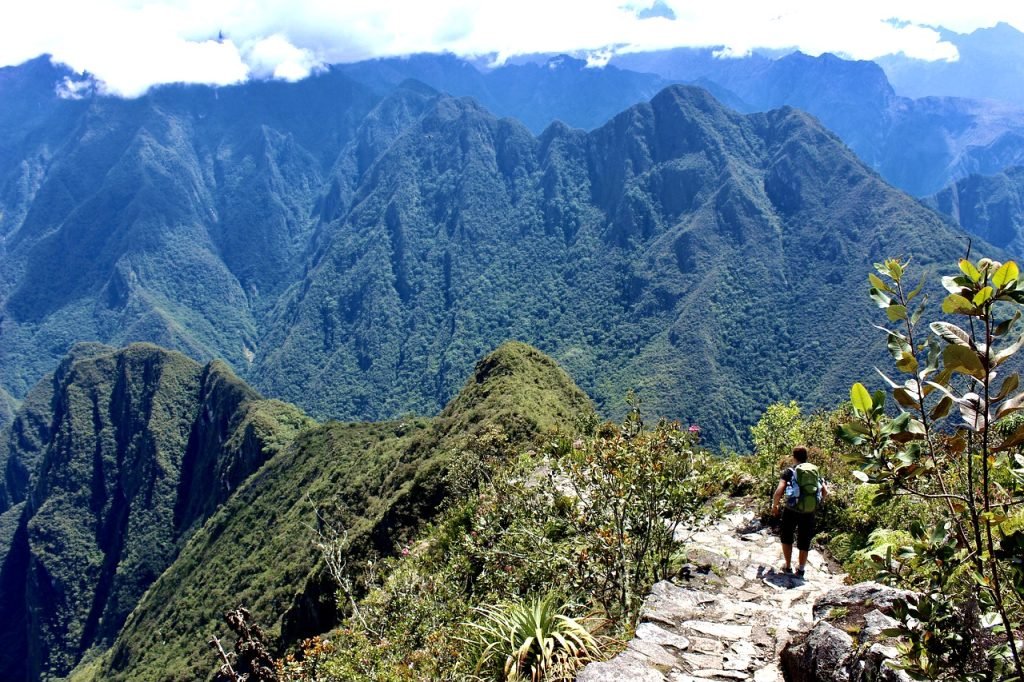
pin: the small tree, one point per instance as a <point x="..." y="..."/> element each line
<point x="971" y="473"/>
<point x="633" y="487"/>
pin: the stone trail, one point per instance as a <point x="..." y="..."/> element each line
<point x="729" y="614"/>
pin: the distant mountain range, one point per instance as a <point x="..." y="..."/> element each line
<point x="918" y="145"/>
<point x="990" y="66"/>
<point x="355" y="253"/>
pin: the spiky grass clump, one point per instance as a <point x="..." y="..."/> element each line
<point x="532" y="641"/>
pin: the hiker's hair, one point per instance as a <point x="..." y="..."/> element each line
<point x="800" y="453"/>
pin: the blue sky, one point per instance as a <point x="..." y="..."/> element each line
<point x="130" y="45"/>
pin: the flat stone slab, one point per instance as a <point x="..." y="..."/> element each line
<point x="618" y="669"/>
<point x="650" y="632"/>
<point x="720" y="630"/>
<point x="653" y="652"/>
<point x="722" y="674"/>
<point x="769" y="673"/>
<point x="732" y="620"/>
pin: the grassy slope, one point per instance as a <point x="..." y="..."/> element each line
<point x="381" y="479"/>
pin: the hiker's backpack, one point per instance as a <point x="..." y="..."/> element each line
<point x="803" y="491"/>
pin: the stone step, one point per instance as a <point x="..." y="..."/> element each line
<point x="730" y="618"/>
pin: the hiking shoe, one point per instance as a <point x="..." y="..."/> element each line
<point x="786" y="570"/>
<point x="799" y="573"/>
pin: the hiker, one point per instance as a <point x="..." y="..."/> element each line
<point x="801" y="505"/>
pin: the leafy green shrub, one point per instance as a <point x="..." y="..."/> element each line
<point x="532" y="641"/>
<point x="631" y="488"/>
<point x="969" y="473"/>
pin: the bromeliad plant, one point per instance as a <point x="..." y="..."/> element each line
<point x="535" y="641"/>
<point x="952" y="445"/>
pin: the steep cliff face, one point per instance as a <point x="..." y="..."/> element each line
<point x="990" y="206"/>
<point x="110" y="465"/>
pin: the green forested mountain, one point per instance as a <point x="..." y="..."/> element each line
<point x="176" y="218"/>
<point x="990" y="206"/>
<point x="681" y="249"/>
<point x="355" y="254"/>
<point x="124" y="459"/>
<point x="110" y="466"/>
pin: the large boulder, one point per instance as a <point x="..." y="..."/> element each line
<point x="846" y="643"/>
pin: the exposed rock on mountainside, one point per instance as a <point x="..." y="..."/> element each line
<point x="846" y="643"/>
<point x="990" y="206"/>
<point x="110" y="466"/>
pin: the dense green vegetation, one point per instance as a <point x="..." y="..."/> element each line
<point x="321" y="234"/>
<point x="374" y="484"/>
<point x="110" y="465"/>
<point x="564" y="536"/>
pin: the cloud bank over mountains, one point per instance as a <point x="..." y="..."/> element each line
<point x="130" y="45"/>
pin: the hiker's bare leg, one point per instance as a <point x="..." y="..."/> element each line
<point x="802" y="559"/>
<point x="787" y="554"/>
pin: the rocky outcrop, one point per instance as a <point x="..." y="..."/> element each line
<point x="847" y="643"/>
<point x="726" y="616"/>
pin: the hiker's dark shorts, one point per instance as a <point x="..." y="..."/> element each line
<point x="803" y="524"/>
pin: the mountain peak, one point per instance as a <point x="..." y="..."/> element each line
<point x="516" y="381"/>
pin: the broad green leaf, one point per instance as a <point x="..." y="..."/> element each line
<point x="983" y="296"/>
<point x="896" y="312"/>
<point x="967" y="267"/>
<point x="963" y="360"/>
<point x="904" y="398"/>
<point x="878" y="400"/>
<point x="915" y="316"/>
<point x="1009" y="385"/>
<point x="860" y="398"/>
<point x="955" y="285"/>
<point x="877" y="282"/>
<point x="917" y="290"/>
<point x="860" y="476"/>
<point x="951" y="333"/>
<point x="1003" y="327"/>
<point x="907" y="363"/>
<point x="894" y="268"/>
<point x="942" y="408"/>
<point x="897" y="346"/>
<point x="854" y="433"/>
<point x="955" y="303"/>
<point x="1006" y="273"/>
<point x="972" y="409"/>
<point x="881" y="300"/>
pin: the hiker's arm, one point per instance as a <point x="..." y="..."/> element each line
<point x="824" y="490"/>
<point x="780" y="490"/>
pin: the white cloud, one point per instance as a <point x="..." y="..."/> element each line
<point x="275" y="57"/>
<point x="129" y="45"/>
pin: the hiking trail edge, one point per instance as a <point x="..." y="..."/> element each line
<point x="729" y="614"/>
